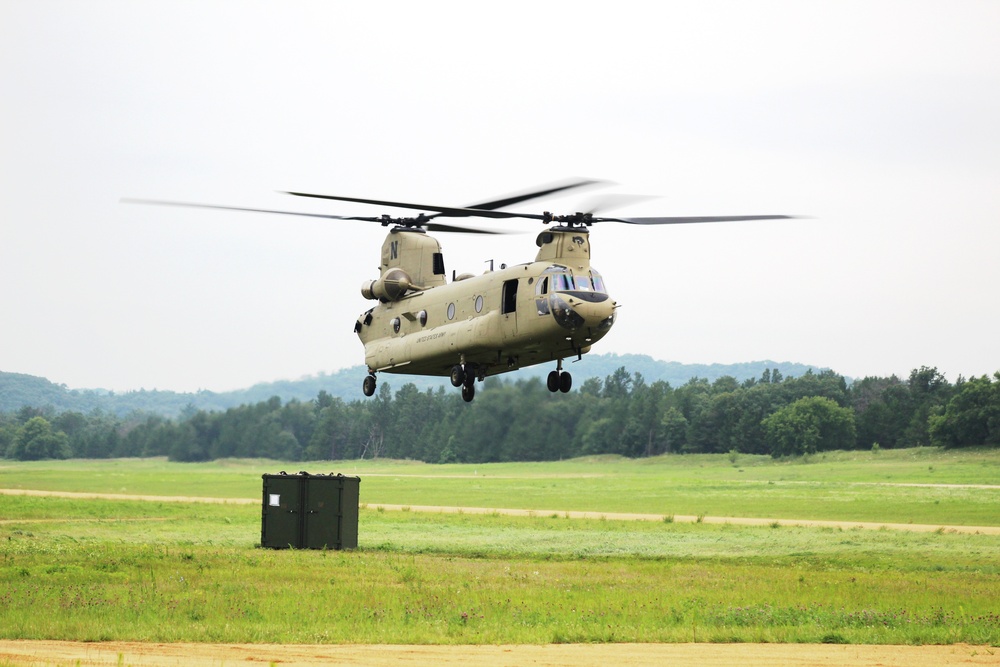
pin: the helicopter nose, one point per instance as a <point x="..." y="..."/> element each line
<point x="596" y="316"/>
<point x="575" y="313"/>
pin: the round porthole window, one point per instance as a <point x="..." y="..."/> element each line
<point x="451" y="311"/>
<point x="395" y="325"/>
<point x="479" y="304"/>
<point x="422" y="317"/>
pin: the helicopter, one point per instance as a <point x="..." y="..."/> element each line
<point x="475" y="326"/>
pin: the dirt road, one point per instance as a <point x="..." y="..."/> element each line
<point x="46" y="653"/>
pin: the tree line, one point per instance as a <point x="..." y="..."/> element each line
<point x="521" y="420"/>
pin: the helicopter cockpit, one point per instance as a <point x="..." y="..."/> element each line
<point x="559" y="288"/>
<point x="562" y="279"/>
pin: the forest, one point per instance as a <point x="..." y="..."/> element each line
<point x="520" y="420"/>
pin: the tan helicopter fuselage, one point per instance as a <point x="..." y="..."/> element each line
<point x="551" y="309"/>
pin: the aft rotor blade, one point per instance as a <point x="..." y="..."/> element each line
<point x="693" y="219"/>
<point x="158" y="202"/>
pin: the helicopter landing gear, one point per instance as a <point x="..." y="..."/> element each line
<point x="369" y="385"/>
<point x="469" y="391"/>
<point x="559" y="380"/>
<point x="457" y="375"/>
<point x="464" y="376"/>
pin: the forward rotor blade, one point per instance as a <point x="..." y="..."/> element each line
<point x="454" y="229"/>
<point x="446" y="211"/>
<point x="475" y="210"/>
<point x="693" y="219"/>
<point x="547" y="190"/>
<point x="158" y="202"/>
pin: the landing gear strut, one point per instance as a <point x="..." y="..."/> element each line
<point x="559" y="380"/>
<point x="369" y="385"/>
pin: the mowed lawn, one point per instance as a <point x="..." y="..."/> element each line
<point x="179" y="571"/>
<point x="926" y="486"/>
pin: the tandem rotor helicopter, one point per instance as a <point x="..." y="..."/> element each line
<point x="471" y="327"/>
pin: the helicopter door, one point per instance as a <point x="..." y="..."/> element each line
<point x="508" y="307"/>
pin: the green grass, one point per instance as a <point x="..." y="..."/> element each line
<point x="849" y="486"/>
<point x="107" y="571"/>
<point x="166" y="571"/>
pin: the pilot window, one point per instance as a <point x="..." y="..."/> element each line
<point x="562" y="282"/>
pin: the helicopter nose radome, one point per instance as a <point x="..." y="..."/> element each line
<point x="581" y="314"/>
<point x="597" y="316"/>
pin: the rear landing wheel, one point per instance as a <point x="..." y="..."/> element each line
<point x="369" y="385"/>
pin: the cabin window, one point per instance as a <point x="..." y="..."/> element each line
<point x="451" y="311"/>
<point x="479" y="304"/>
<point x="422" y="318"/>
<point x="509" y="297"/>
<point x="395" y="325"/>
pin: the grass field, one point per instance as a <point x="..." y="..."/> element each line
<point x="168" y="571"/>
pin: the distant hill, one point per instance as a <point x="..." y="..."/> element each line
<point x="18" y="390"/>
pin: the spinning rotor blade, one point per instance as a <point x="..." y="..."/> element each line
<point x="158" y="202"/>
<point x="693" y="219"/>
<point x="433" y="227"/>
<point x="552" y="189"/>
<point x="438" y="227"/>
<point x="445" y="211"/>
<point x="484" y="210"/>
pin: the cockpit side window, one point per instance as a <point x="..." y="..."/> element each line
<point x="598" y="282"/>
<point x="542" y="287"/>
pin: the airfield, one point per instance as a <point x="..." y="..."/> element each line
<point x="779" y="580"/>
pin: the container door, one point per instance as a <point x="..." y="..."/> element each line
<point x="349" y="500"/>
<point x="282" y="518"/>
<point x="323" y="513"/>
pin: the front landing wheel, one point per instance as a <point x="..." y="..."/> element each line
<point x="468" y="392"/>
<point x="552" y="381"/>
<point x="457" y="376"/>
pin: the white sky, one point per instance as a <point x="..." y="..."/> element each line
<point x="877" y="119"/>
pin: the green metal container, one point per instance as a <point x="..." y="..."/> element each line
<point x="306" y="511"/>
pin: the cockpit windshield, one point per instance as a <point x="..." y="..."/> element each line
<point x="563" y="280"/>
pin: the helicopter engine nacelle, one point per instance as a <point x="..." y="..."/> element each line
<point x="391" y="286"/>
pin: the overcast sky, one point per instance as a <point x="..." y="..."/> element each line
<point x="878" y="120"/>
